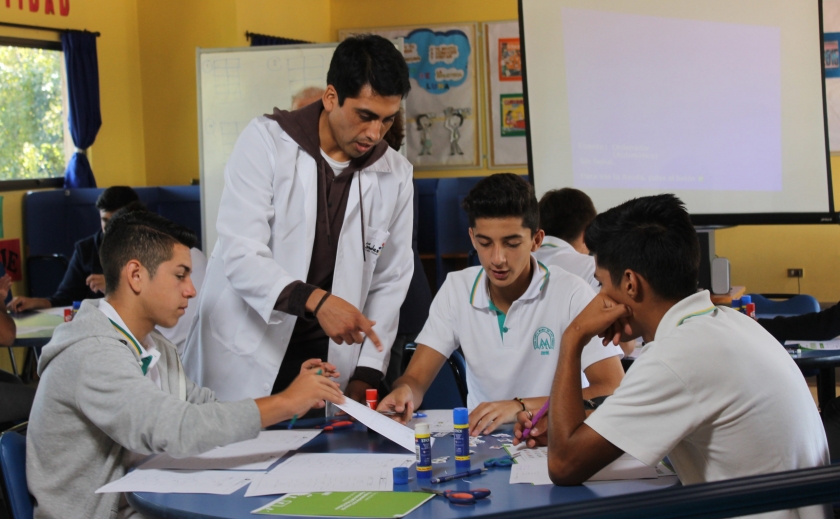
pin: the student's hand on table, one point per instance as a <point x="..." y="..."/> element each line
<point x="5" y="286"/>
<point x="309" y="390"/>
<point x="602" y="317"/>
<point x="400" y="400"/>
<point x="22" y="304"/>
<point x="538" y="436"/>
<point x="320" y="367"/>
<point x="96" y="282"/>
<point x="488" y="415"/>
<point x="341" y="321"/>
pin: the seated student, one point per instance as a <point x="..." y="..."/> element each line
<point x="113" y="390"/>
<point x="83" y="279"/>
<point x="507" y="316"/>
<point x="15" y="397"/>
<point x="713" y="391"/>
<point x="564" y="215"/>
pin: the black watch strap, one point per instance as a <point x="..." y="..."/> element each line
<point x="594" y="403"/>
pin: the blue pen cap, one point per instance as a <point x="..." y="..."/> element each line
<point x="77" y="305"/>
<point x="460" y="415"/>
<point x="745" y="300"/>
<point x="736" y="303"/>
<point x="401" y="475"/>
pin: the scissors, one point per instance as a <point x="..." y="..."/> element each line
<point x="337" y="426"/>
<point x="501" y="461"/>
<point x="460" y="497"/>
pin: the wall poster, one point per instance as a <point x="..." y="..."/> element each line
<point x="831" y="56"/>
<point x="442" y="116"/>
<point x="504" y="92"/>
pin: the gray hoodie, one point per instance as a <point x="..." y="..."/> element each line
<point x="94" y="408"/>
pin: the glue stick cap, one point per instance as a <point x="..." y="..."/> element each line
<point x="460" y="415"/>
<point x="401" y="475"/>
<point x="736" y="303"/>
<point x="745" y="300"/>
<point x="422" y="429"/>
<point x="77" y="305"/>
<point x="371" y="394"/>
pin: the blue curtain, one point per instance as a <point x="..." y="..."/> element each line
<point x="259" y="40"/>
<point x="83" y="92"/>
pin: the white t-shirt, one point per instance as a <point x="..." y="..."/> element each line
<point x="717" y="394"/>
<point x="555" y="251"/>
<point x="337" y="167"/>
<point x="513" y="355"/>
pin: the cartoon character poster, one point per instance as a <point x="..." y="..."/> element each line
<point x="513" y="115"/>
<point x="510" y="62"/>
<point x="442" y="108"/>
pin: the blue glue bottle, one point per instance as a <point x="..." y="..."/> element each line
<point x="736" y="304"/>
<point x="423" y="449"/>
<point x="745" y="300"/>
<point x="461" y="420"/>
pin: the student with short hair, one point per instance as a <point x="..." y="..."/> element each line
<point x="112" y="389"/>
<point x="83" y="278"/>
<point x="564" y="215"/>
<point x="506" y="315"/>
<point x="712" y="390"/>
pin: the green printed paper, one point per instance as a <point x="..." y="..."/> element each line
<point x="346" y="504"/>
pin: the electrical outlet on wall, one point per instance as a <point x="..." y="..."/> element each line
<point x="795" y="273"/>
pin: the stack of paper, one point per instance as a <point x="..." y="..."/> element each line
<point x="532" y="467"/>
<point x="222" y="482"/>
<point x="328" y="472"/>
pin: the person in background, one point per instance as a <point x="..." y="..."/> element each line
<point x="83" y="279"/>
<point x="714" y="419"/>
<point x="506" y="315"/>
<point x="15" y="397"/>
<point x="564" y="216"/>
<point x="113" y="390"/>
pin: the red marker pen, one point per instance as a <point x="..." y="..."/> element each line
<point x="372" y="397"/>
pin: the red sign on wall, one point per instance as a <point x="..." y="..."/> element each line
<point x="10" y="257"/>
<point x="49" y="6"/>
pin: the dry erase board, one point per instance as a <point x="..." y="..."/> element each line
<point x="236" y="85"/>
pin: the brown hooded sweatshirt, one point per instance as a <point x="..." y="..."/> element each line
<point x="302" y="126"/>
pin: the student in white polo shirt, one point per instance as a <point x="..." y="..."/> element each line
<point x="564" y="215"/>
<point x="713" y="390"/>
<point x="507" y="316"/>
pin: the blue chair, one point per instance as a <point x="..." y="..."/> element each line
<point x="426" y="189"/>
<point x="13" y="467"/>
<point x="44" y="273"/>
<point x="789" y="305"/>
<point x="448" y="389"/>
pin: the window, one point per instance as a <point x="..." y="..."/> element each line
<point x="34" y="138"/>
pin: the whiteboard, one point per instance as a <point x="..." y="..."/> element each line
<point x="236" y="85"/>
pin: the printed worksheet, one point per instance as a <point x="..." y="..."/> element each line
<point x="257" y="454"/>
<point x="222" y="482"/>
<point x="439" y="420"/>
<point x="394" y="431"/>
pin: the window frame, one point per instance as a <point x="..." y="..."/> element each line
<point x="32" y="183"/>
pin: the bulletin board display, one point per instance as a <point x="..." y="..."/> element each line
<point x="831" y="56"/>
<point x="443" y="119"/>
<point x="505" y="101"/>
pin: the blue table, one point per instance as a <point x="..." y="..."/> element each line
<point x="505" y="497"/>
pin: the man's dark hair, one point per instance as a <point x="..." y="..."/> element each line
<point x="368" y="59"/>
<point x="653" y="236"/>
<point x="116" y="197"/>
<point x="139" y="235"/>
<point x="503" y="195"/>
<point x="565" y="213"/>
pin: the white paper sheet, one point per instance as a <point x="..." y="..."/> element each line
<point x="220" y="482"/>
<point x="328" y="472"/>
<point x="394" y="431"/>
<point x="532" y="467"/>
<point x="439" y="420"/>
<point x="833" y="344"/>
<point x="256" y="454"/>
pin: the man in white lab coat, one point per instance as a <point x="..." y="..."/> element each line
<point x="313" y="257"/>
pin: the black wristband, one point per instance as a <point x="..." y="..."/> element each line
<point x="320" y="303"/>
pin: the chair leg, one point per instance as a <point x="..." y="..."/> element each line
<point x="14" y="362"/>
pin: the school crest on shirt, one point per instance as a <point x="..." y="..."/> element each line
<point x="544" y="340"/>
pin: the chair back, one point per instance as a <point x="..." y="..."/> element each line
<point x="13" y="468"/>
<point x="796" y="305"/>
<point x="44" y="274"/>
<point x="446" y="389"/>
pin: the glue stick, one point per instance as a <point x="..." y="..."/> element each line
<point x="423" y="449"/>
<point x="371" y="398"/>
<point x="745" y="300"/>
<point x="461" y="420"/>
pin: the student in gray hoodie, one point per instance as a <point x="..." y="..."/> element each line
<point x="113" y="390"/>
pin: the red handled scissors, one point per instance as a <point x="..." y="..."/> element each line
<point x="460" y="497"/>
<point x="337" y="426"/>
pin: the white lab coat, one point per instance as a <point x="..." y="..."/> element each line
<point x="266" y="230"/>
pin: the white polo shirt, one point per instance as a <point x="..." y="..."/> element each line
<point x="147" y="349"/>
<point x="555" y="251"/>
<point x="717" y="394"/>
<point x="513" y="355"/>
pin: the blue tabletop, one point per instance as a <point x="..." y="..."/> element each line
<point x="505" y="497"/>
